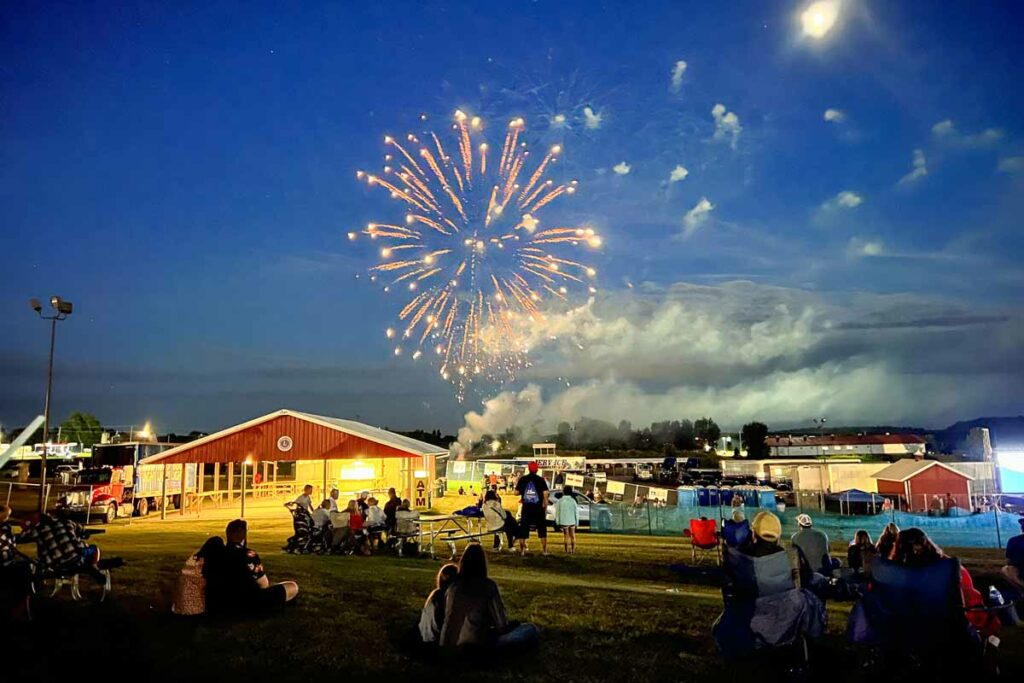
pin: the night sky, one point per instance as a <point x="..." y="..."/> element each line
<point x="841" y="236"/>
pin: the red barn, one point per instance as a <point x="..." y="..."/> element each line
<point x="921" y="483"/>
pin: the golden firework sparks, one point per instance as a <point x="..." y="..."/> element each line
<point x="473" y="252"/>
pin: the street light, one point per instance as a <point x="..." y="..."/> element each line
<point x="62" y="309"/>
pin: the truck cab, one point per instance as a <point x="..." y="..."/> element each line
<point x="115" y="485"/>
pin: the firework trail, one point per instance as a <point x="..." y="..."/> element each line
<point x="471" y="250"/>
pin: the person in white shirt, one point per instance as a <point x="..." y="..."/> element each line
<point x="376" y="522"/>
<point x="322" y="515"/>
<point x="305" y="500"/>
<point x="499" y="521"/>
<point x="334" y="500"/>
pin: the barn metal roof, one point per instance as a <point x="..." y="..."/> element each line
<point x="905" y="469"/>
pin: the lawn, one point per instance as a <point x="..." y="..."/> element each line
<point x="613" y="611"/>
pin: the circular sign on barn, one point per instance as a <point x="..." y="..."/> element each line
<point x="284" y="444"/>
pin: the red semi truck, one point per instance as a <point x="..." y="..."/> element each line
<point x="122" y="487"/>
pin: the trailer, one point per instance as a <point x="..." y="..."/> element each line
<point x="120" y="486"/>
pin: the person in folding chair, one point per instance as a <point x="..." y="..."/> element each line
<point x="704" y="540"/>
<point x="63" y="552"/>
<point x="765" y="607"/>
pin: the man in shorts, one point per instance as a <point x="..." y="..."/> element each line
<point x="533" y="491"/>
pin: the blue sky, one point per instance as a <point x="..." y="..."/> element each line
<point x="185" y="174"/>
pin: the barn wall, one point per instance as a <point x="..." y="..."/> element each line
<point x="309" y="442"/>
<point x="938" y="481"/>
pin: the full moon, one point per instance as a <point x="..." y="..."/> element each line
<point x="819" y="17"/>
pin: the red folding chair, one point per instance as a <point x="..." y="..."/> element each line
<point x="704" y="540"/>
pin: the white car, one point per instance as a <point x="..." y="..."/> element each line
<point x="583" y="504"/>
<point x="643" y="472"/>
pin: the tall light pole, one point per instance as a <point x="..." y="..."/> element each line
<point x="62" y="309"/>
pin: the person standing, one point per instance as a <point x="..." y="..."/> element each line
<point x="390" y="508"/>
<point x="334" y="500"/>
<point x="305" y="500"/>
<point x="567" y="516"/>
<point x="533" y="492"/>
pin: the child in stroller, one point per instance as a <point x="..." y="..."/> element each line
<point x="308" y="537"/>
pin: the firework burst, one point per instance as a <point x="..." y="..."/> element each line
<point x="471" y="251"/>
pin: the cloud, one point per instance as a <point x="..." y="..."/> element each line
<point x="860" y="248"/>
<point x="697" y="216"/>
<point x="678" y="173"/>
<point x="591" y="118"/>
<point x="847" y="199"/>
<point x="1011" y="164"/>
<point x="919" y="170"/>
<point x="558" y="121"/>
<point x="622" y="168"/>
<point x="741" y="351"/>
<point x="727" y="124"/>
<point x="834" y="116"/>
<point x="677" y="75"/>
<point x="947" y="132"/>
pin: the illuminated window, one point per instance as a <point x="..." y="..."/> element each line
<point x="357" y="470"/>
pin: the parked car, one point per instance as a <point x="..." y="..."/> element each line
<point x="583" y="503"/>
<point x="643" y="472"/>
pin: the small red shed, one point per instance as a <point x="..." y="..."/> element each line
<point x="922" y="484"/>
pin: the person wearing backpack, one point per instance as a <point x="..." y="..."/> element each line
<point x="533" y="491"/>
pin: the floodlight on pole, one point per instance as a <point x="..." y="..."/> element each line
<point x="62" y="309"/>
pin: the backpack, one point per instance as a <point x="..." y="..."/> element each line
<point x="190" y="592"/>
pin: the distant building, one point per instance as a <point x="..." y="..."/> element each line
<point x="543" y="450"/>
<point x="855" y="444"/>
<point x="923" y="485"/>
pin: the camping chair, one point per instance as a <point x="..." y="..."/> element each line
<point x="916" y="614"/>
<point x="735" y="534"/>
<point x="704" y="540"/>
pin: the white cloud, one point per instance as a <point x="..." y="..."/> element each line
<point x="622" y="168"/>
<point x="677" y="75"/>
<point x="558" y="121"/>
<point x="861" y="248"/>
<point x="834" y="115"/>
<point x="591" y="118"/>
<point x="847" y="199"/>
<point x="919" y="170"/>
<point x="760" y="352"/>
<point x="697" y="216"/>
<point x="1011" y="164"/>
<point x="947" y="132"/>
<point x="727" y="124"/>
<point x="678" y="173"/>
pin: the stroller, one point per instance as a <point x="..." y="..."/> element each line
<point x="307" y="538"/>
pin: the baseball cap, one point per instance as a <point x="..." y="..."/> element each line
<point x="533" y="466"/>
<point x="804" y="521"/>
<point x="766" y="526"/>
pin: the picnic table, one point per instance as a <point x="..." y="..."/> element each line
<point x="449" y="528"/>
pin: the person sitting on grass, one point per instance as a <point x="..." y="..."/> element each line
<point x="322" y="515"/>
<point x="499" y="521"/>
<point x="861" y="554"/>
<point x="567" y="516"/>
<point x="1014" y="568"/>
<point x="15" y="569"/>
<point x="236" y="582"/>
<point x="474" y="614"/>
<point x="432" y="616"/>
<point x="886" y="545"/>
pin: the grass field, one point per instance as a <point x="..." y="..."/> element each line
<point x="614" y="611"/>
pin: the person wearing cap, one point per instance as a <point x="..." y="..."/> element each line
<point x="533" y="491"/>
<point x="765" y="530"/>
<point x="812" y="544"/>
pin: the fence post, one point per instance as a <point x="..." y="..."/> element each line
<point x="88" y="506"/>
<point x="46" y="497"/>
<point x="999" y="538"/>
<point x="650" y="532"/>
<point x="10" y="487"/>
